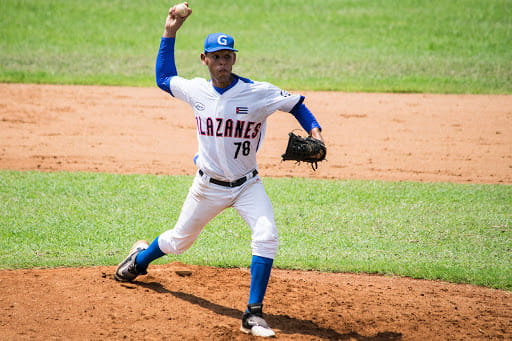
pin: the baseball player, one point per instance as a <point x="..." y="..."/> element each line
<point x="230" y="113"/>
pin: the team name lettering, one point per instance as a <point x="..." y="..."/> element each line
<point x="209" y="126"/>
<point x="219" y="127"/>
<point x="247" y="134"/>
<point x="200" y="126"/>
<point x="228" y="128"/>
<point x="239" y="128"/>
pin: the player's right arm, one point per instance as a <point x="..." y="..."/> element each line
<point x="165" y="66"/>
<point x="174" y="22"/>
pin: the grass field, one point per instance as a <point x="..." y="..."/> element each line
<point x="460" y="46"/>
<point x="459" y="233"/>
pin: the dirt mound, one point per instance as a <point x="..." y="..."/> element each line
<point x="369" y="136"/>
<point x="178" y="301"/>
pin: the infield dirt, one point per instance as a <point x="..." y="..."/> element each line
<point x="391" y="137"/>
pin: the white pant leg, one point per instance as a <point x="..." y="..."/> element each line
<point x="202" y="204"/>
<point x="254" y="205"/>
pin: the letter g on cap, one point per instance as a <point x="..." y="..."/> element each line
<point x="222" y="40"/>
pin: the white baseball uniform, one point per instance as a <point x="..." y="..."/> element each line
<point x="230" y="130"/>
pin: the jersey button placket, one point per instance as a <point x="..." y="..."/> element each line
<point x="221" y="141"/>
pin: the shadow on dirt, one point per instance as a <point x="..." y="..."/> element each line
<point x="285" y="323"/>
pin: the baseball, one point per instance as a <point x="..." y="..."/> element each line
<point x="182" y="10"/>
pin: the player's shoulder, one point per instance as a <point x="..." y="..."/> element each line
<point x="245" y="80"/>
<point x="254" y="85"/>
<point x="251" y="81"/>
<point x="188" y="84"/>
<point x="195" y="80"/>
<point x="199" y="81"/>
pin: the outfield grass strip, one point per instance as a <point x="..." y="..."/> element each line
<point x="452" y="232"/>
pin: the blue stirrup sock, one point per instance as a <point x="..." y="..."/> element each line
<point x="260" y="274"/>
<point x="150" y="254"/>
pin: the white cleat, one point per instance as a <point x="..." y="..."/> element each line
<point x="253" y="322"/>
<point x="127" y="270"/>
<point x="259" y="331"/>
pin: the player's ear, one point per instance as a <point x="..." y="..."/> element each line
<point x="203" y="59"/>
<point x="234" y="58"/>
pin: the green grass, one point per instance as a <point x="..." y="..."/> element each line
<point x="452" y="232"/>
<point x="459" y="46"/>
<point x="459" y="233"/>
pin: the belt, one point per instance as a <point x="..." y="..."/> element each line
<point x="236" y="183"/>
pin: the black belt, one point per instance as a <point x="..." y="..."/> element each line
<point x="235" y="183"/>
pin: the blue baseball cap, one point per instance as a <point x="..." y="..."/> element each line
<point x="219" y="41"/>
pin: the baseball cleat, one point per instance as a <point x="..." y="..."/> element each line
<point x="253" y="322"/>
<point x="127" y="270"/>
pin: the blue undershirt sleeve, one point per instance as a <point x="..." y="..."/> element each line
<point x="305" y="117"/>
<point x="165" y="65"/>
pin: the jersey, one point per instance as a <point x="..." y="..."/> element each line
<point x="231" y="125"/>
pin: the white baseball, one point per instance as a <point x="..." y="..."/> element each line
<point x="182" y="10"/>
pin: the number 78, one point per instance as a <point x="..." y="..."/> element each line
<point x="245" y="147"/>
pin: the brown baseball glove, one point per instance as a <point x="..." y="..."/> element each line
<point x="305" y="149"/>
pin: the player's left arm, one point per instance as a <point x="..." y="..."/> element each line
<point x="307" y="120"/>
<point x="316" y="133"/>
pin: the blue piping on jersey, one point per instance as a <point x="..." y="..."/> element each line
<point x="235" y="80"/>
<point x="245" y="80"/>
<point x="223" y="90"/>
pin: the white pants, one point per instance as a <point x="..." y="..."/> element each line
<point x="206" y="200"/>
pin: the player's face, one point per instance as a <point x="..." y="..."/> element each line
<point x="220" y="64"/>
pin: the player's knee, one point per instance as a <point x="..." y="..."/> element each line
<point x="169" y="243"/>
<point x="265" y="241"/>
<point x="265" y="248"/>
